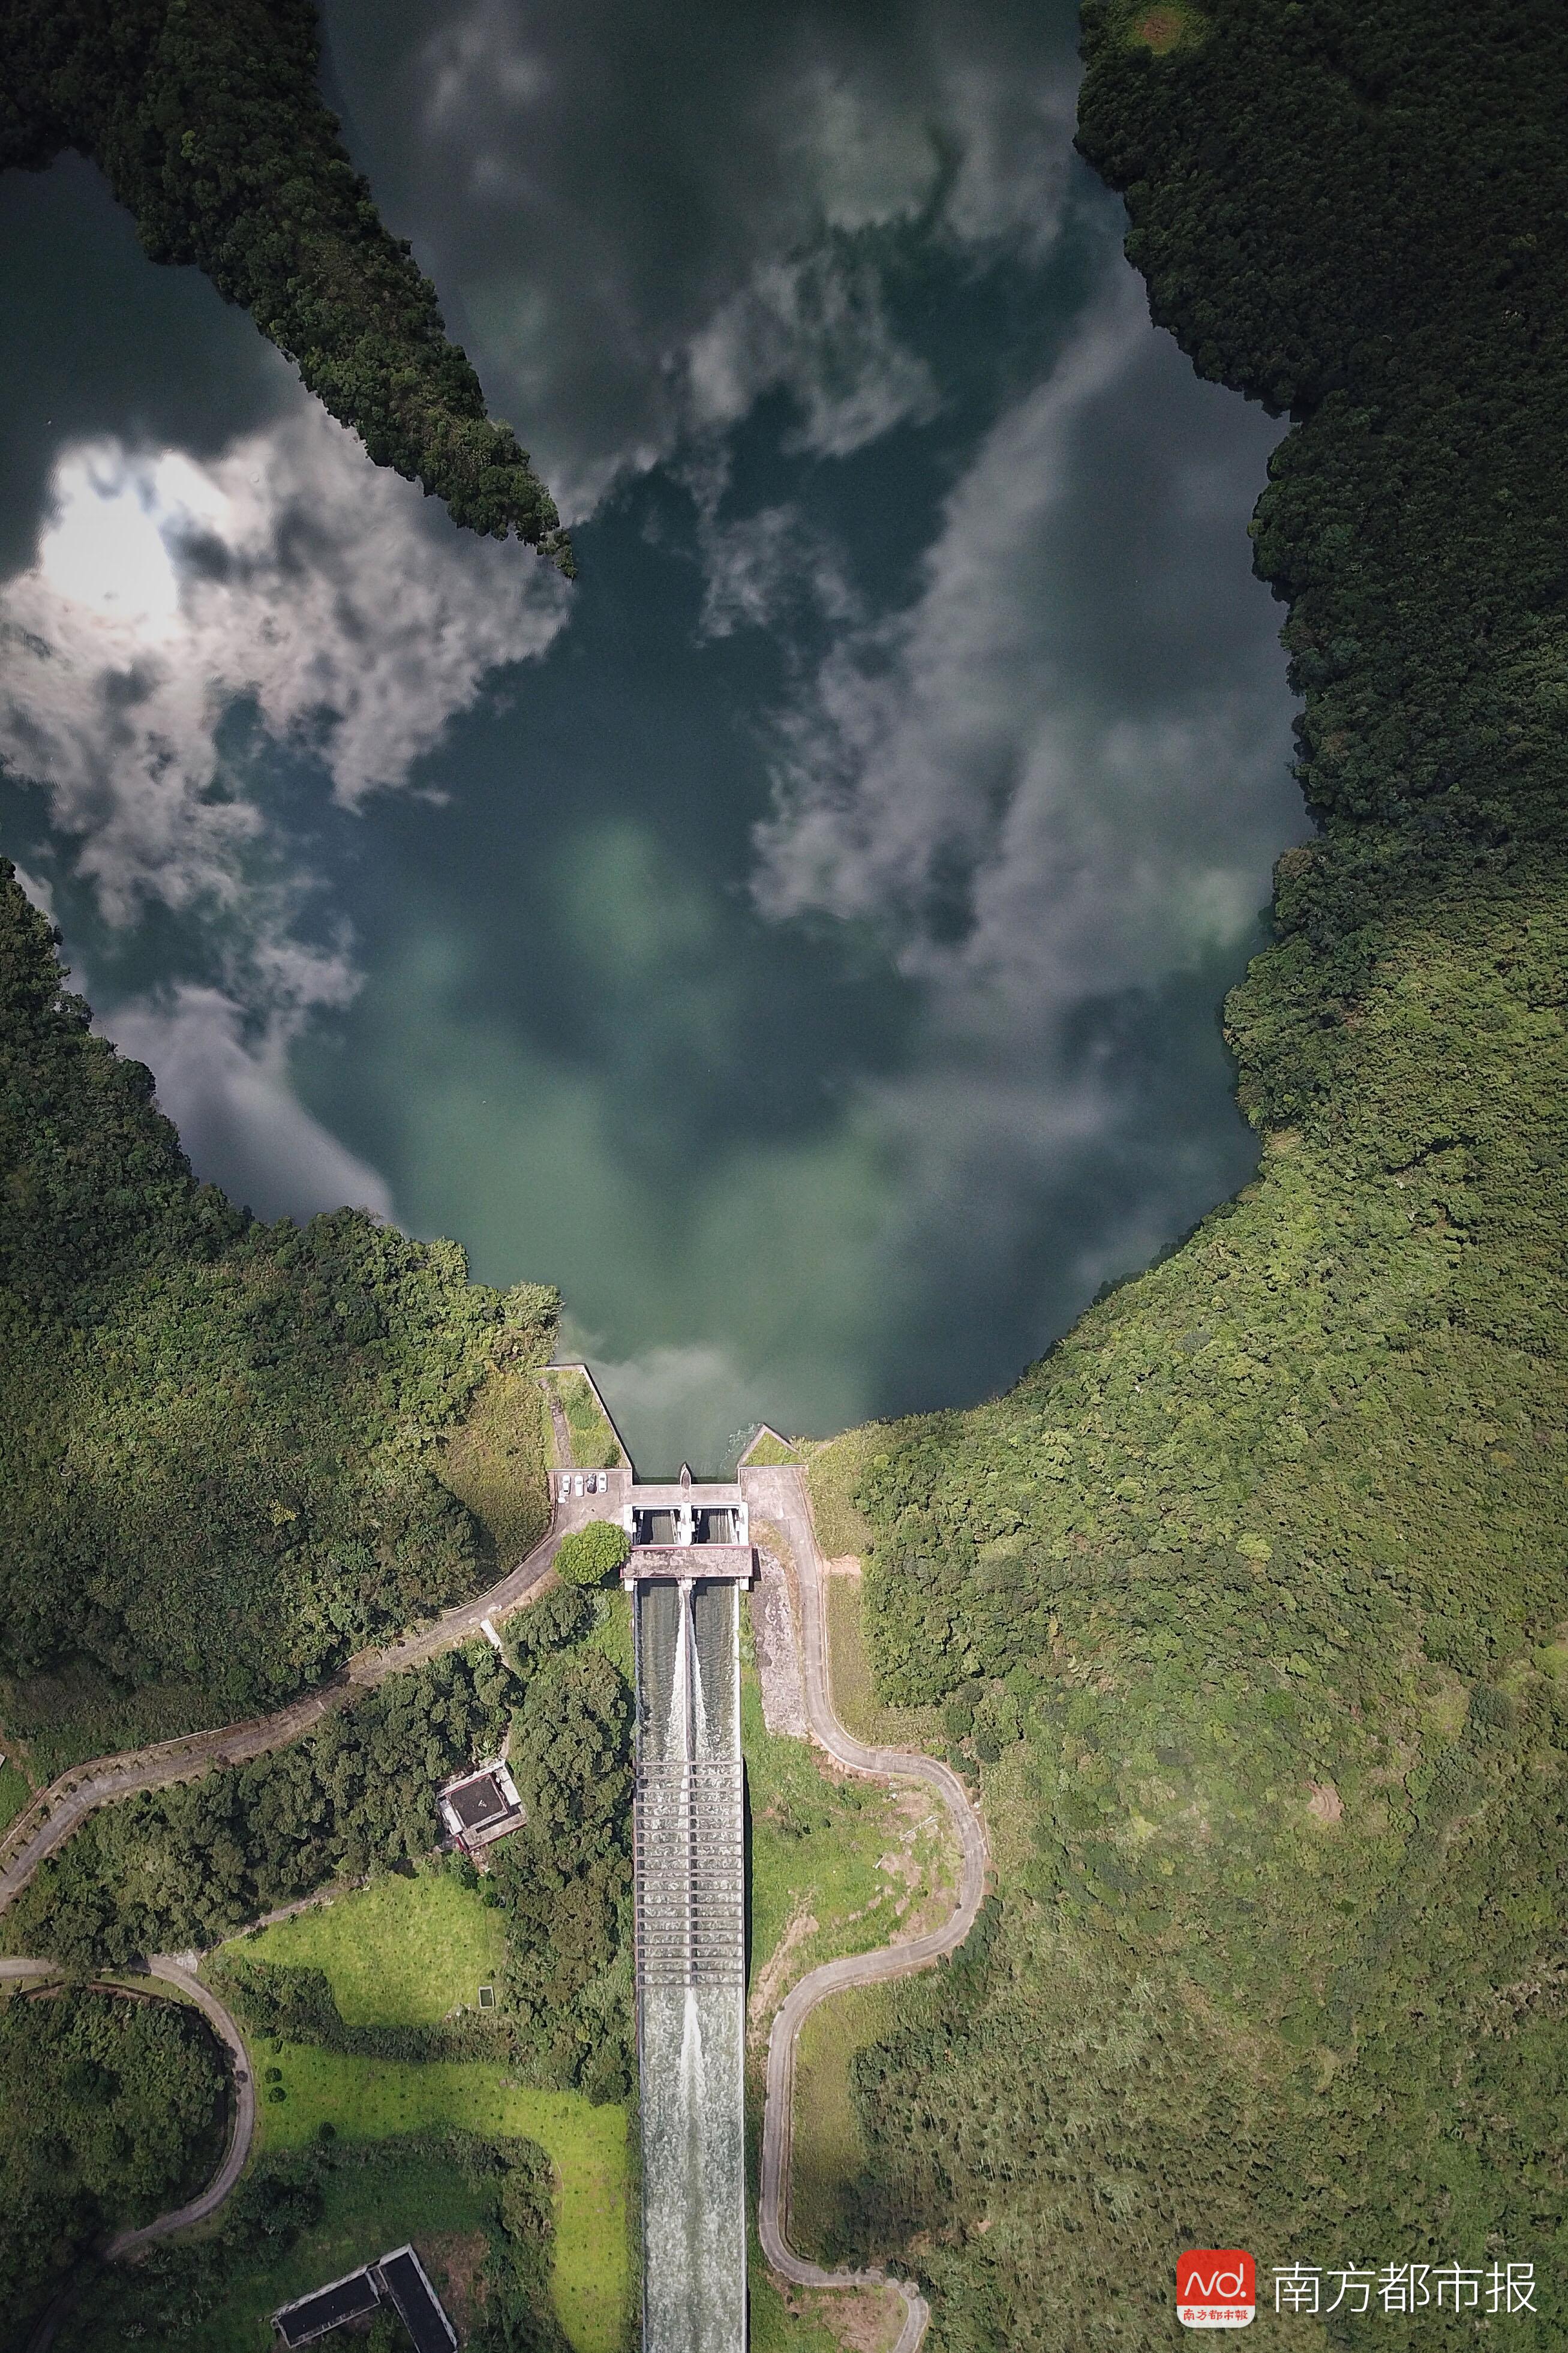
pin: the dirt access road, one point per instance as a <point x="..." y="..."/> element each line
<point x="174" y="1972"/>
<point x="57" y="1810"/>
<point x="780" y="1496"/>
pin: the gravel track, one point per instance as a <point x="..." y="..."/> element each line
<point x="173" y="1971"/>
<point x="45" y="1825"/>
<point x="780" y="1496"/>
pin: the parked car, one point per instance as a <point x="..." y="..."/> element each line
<point x="577" y="1485"/>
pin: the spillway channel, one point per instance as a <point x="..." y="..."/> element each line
<point x="690" y="1965"/>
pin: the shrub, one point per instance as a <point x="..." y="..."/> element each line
<point x="588" y="1556"/>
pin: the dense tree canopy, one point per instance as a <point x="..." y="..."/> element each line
<point x="588" y="1556"/>
<point x="206" y="118"/>
<point x="1248" y="1598"/>
<point x="220" y="1440"/>
<point x="188" y="1866"/>
<point x="110" y="2110"/>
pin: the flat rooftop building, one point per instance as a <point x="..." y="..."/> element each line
<point x="399" y="2279"/>
<point x="310" y="2316"/>
<point x="407" y="2289"/>
<point x="480" y="1805"/>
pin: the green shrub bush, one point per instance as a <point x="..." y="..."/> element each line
<point x="589" y="1556"/>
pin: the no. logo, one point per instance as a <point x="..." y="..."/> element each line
<point x="1216" y="2287"/>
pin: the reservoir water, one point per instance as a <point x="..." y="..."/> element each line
<point x="690" y="1966"/>
<point x="801" y="940"/>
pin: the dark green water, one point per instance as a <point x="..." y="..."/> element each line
<point x="804" y="941"/>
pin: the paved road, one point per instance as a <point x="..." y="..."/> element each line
<point x="57" y="1810"/>
<point x="242" y="2125"/>
<point x="174" y="1973"/>
<point x="779" y="1497"/>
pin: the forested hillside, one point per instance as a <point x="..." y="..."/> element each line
<point x="188" y="1866"/>
<point x="220" y="1459"/>
<point x="205" y="119"/>
<point x="110" y="2111"/>
<point x="1250" y="1598"/>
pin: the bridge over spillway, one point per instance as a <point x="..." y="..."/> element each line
<point x="690" y="1915"/>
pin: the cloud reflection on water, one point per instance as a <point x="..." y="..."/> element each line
<point x="803" y="941"/>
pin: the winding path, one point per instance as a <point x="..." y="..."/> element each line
<point x="172" y="1972"/>
<point x="780" y="1496"/>
<point x="47" y="1823"/>
<point x="242" y="2128"/>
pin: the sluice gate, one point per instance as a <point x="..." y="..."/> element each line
<point x="690" y="1918"/>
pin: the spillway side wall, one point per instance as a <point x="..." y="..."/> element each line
<point x="689" y="1906"/>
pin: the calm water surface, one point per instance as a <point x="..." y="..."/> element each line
<point x="802" y="940"/>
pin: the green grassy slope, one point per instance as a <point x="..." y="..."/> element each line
<point x="384" y="2099"/>
<point x="206" y="118"/>
<point x="401" y="1952"/>
<point x="220" y="1440"/>
<point x="1245" y="1597"/>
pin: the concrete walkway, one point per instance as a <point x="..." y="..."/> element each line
<point x="242" y="2131"/>
<point x="780" y="1496"/>
<point x="46" y="1824"/>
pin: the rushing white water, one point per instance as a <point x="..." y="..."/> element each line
<point x="690" y="1969"/>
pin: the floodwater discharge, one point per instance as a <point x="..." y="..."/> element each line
<point x="691" y="1962"/>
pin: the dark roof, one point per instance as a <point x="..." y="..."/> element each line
<point x="345" y="2299"/>
<point x="479" y="1802"/>
<point x="417" y="2304"/>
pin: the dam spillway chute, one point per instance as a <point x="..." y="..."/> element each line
<point x="689" y="1896"/>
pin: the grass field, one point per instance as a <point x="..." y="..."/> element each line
<point x="832" y="1475"/>
<point x="843" y="1854"/>
<point x="376" y="2099"/>
<point x="594" y="1443"/>
<point x="796" y="2320"/>
<point x="817" y="1850"/>
<point x="499" y="1462"/>
<point x="776" y="2327"/>
<point x="854" y="1697"/>
<point x="402" y="1952"/>
<point x="829" y="2148"/>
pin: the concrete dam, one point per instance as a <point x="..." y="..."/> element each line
<point x="690" y="1915"/>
